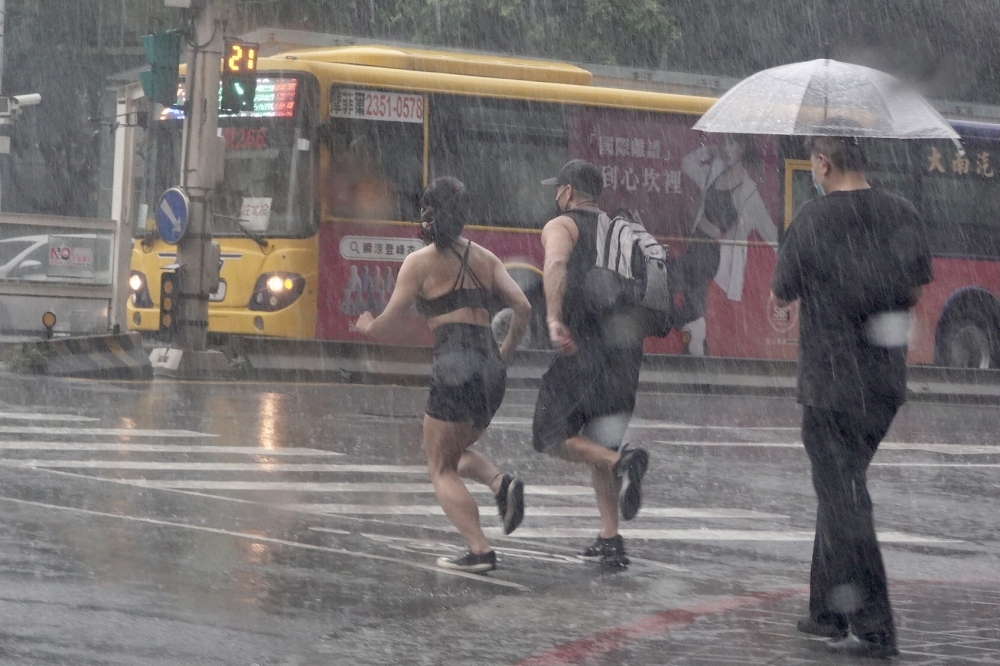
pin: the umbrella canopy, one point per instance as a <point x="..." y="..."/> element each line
<point x="825" y="98"/>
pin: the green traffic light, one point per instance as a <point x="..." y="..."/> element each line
<point x="163" y="54"/>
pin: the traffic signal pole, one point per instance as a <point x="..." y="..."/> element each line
<point x="201" y="166"/>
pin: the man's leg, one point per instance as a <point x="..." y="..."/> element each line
<point x="817" y="435"/>
<point x="873" y="621"/>
<point x="847" y="579"/>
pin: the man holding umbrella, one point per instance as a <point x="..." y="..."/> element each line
<point x="856" y="258"/>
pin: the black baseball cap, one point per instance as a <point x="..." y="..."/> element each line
<point x="582" y="175"/>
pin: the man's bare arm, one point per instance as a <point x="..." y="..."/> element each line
<point x="558" y="238"/>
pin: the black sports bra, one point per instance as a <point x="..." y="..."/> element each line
<point x="456" y="299"/>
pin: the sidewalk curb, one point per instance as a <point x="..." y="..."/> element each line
<point x="311" y="360"/>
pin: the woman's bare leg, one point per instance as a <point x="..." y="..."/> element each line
<point x="445" y="444"/>
<point x="474" y="465"/>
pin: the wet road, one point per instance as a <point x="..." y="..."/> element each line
<point x="227" y="523"/>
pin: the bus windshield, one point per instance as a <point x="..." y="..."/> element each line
<point x="267" y="187"/>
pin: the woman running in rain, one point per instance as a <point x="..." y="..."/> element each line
<point x="451" y="281"/>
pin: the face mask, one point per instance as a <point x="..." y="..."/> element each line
<point x="426" y="233"/>
<point x="559" y="207"/>
<point x="819" y="188"/>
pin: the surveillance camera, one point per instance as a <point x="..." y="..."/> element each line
<point x="27" y="100"/>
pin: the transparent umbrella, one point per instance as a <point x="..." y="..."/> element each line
<point x="825" y="98"/>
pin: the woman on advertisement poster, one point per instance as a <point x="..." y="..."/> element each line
<point x="731" y="208"/>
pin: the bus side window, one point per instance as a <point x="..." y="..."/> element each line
<point x="375" y="170"/>
<point x="501" y="150"/>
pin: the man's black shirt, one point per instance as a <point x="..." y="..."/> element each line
<point x="849" y="256"/>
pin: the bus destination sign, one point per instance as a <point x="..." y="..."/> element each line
<point x="375" y="105"/>
<point x="273" y="98"/>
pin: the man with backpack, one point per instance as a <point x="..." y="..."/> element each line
<point x="587" y="395"/>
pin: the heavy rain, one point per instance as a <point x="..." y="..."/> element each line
<point x="515" y="332"/>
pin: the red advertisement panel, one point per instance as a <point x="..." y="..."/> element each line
<point x="714" y="200"/>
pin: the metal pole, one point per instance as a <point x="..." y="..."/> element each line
<point x="199" y="176"/>
<point x="3" y="29"/>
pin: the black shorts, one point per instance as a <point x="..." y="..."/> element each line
<point x="592" y="391"/>
<point x="468" y="378"/>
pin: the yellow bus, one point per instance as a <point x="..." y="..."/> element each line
<point x="318" y="207"/>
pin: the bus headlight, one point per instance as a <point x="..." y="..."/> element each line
<point x="140" y="291"/>
<point x="275" y="291"/>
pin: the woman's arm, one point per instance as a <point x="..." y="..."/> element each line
<point x="505" y="287"/>
<point x="697" y="165"/>
<point x="408" y="284"/>
<point x="755" y="214"/>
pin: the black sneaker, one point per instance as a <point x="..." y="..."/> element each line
<point x="614" y="558"/>
<point x="808" y="625"/>
<point x="630" y="468"/>
<point x="470" y="562"/>
<point x="859" y="647"/>
<point x="601" y="548"/>
<point x="510" y="502"/>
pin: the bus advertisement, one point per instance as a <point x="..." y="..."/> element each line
<point x="318" y="206"/>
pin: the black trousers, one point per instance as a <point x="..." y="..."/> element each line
<point x="847" y="583"/>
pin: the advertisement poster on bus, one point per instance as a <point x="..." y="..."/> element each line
<point x="714" y="199"/>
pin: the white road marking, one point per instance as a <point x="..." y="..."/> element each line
<point x="34" y="416"/>
<point x="934" y="464"/>
<point x="132" y="447"/>
<point x="930" y="447"/>
<point x="334" y="487"/>
<point x="703" y="535"/>
<point x="217" y="466"/>
<point x="278" y="542"/>
<point x="532" y="511"/>
<point x="122" y="432"/>
<point x="749" y="445"/>
<point x="645" y="424"/>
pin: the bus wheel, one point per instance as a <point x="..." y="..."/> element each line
<point x="969" y="342"/>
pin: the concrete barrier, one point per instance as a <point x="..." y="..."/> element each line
<point x="94" y="356"/>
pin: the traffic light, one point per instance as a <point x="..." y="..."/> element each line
<point x="239" y="76"/>
<point x="163" y="53"/>
<point x="169" y="291"/>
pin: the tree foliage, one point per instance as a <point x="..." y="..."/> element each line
<point x="611" y="32"/>
<point x="65" y="49"/>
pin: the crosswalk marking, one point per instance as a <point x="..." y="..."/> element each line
<point x="405" y="500"/>
<point x="929" y="447"/>
<point x="132" y="447"/>
<point x="934" y="464"/>
<point x="35" y="416"/>
<point x="645" y="424"/>
<point x="346" y="487"/>
<point x="105" y="432"/>
<point x="218" y="467"/>
<point x="533" y="511"/>
<point x="703" y="535"/>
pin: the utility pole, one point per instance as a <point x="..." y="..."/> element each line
<point x="201" y="171"/>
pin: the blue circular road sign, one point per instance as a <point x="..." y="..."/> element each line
<point x="172" y="215"/>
